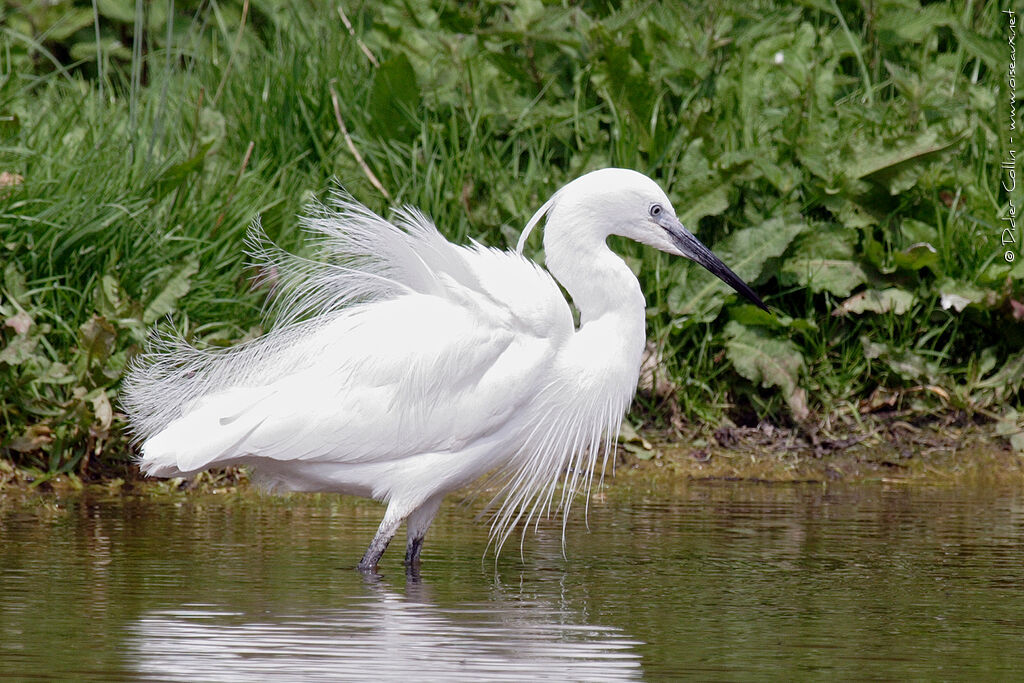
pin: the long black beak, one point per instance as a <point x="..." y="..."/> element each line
<point x="694" y="250"/>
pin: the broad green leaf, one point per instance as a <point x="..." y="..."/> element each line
<point x="97" y="337"/>
<point x="752" y="316"/>
<point x="989" y="50"/>
<point x="110" y="47"/>
<point x="999" y="271"/>
<point x="394" y="95"/>
<point x="14" y="283"/>
<point x="908" y="364"/>
<point x="69" y="21"/>
<point x="783" y="176"/>
<point x="118" y="10"/>
<point x="633" y="442"/>
<point x="838" y="276"/>
<point x="917" y="231"/>
<point x="709" y="203"/>
<point x="818" y="158"/>
<point x="895" y="27"/>
<point x="177" y="286"/>
<point x="1011" y="425"/>
<point x="987" y="361"/>
<point x="109" y="297"/>
<point x="850" y="214"/>
<point x="890" y="300"/>
<point x="1006" y="382"/>
<point x="824" y="261"/>
<point x="957" y="295"/>
<point x="768" y="361"/>
<point x="705" y="191"/>
<point x="57" y="373"/>
<point x="1017" y="272"/>
<point x="898" y="169"/>
<point x="35" y="437"/>
<point x="875" y="254"/>
<point x="695" y="302"/>
<point x="872" y="349"/>
<point x="916" y="256"/>
<point x="19" y="349"/>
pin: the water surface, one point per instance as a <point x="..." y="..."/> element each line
<point x="710" y="581"/>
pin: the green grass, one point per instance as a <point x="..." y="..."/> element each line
<point x="840" y="162"/>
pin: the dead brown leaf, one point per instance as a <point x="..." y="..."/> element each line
<point x="19" y="322"/>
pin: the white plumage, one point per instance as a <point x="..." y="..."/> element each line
<point x="403" y="367"/>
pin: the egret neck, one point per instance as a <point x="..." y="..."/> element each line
<point x="602" y="287"/>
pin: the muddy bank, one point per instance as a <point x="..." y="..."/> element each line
<point x="894" y="452"/>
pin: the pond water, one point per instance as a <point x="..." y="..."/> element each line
<point x="707" y="581"/>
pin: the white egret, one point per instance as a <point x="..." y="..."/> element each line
<point x="404" y="367"/>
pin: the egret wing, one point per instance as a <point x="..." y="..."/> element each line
<point x="397" y="343"/>
<point x="416" y="374"/>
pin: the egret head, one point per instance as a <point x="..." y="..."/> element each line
<point x="617" y="201"/>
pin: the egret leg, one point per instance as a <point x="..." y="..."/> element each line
<point x="417" y="525"/>
<point x="385" y="532"/>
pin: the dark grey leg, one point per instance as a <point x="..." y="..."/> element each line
<point x="412" y="551"/>
<point x="419" y="522"/>
<point x="388" y="526"/>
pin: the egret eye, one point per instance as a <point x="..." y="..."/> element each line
<point x="656" y="210"/>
